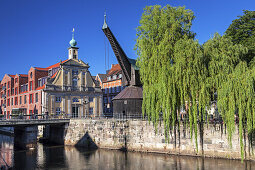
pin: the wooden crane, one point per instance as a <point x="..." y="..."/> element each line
<point x="128" y="103"/>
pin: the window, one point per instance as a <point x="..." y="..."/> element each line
<point x="75" y="72"/>
<point x="106" y="90"/>
<point x="90" y="99"/>
<point x="83" y="73"/>
<point x="8" y="102"/>
<point x="50" y="73"/>
<point x="12" y="91"/>
<point x="75" y="100"/>
<point x="120" y="75"/>
<point x="58" y="99"/>
<point x="118" y="89"/>
<point x="30" y="85"/>
<point x="58" y="110"/>
<point x="105" y="99"/>
<point x="31" y="98"/>
<point x="12" y="101"/>
<point x="66" y="71"/>
<point x="122" y="87"/>
<point x="74" y="81"/>
<point x="39" y="83"/>
<point x="16" y="100"/>
<point x="16" y="91"/>
<point x="20" y="100"/>
<point x="8" y="92"/>
<point x="114" y="77"/>
<point x="91" y="110"/>
<point x="16" y="80"/>
<point x="110" y="90"/>
<point x="8" y="84"/>
<point x="36" y="97"/>
<point x="66" y="78"/>
<point x="25" y="99"/>
<point x="113" y="90"/>
<point x="31" y="75"/>
<point x="109" y="78"/>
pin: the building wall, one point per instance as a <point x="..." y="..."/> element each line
<point x="13" y="101"/>
<point x="59" y="82"/>
<point x="62" y="87"/>
<point x="111" y="86"/>
<point x="136" y="135"/>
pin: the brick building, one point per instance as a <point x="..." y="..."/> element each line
<point x="111" y="85"/>
<point x="66" y="87"/>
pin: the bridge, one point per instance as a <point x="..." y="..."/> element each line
<point x="32" y="122"/>
<point x="25" y="129"/>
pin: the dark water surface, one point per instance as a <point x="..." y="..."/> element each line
<point x="62" y="157"/>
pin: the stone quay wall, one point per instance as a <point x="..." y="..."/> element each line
<point x="139" y="135"/>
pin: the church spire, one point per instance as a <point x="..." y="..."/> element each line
<point x="73" y="43"/>
<point x="73" y="50"/>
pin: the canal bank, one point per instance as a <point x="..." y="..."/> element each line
<point x="78" y="158"/>
<point x="138" y="135"/>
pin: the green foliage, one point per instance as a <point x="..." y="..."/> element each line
<point x="177" y="72"/>
<point x="171" y="65"/>
<point x="236" y="98"/>
<point x="242" y="31"/>
<point x="221" y="57"/>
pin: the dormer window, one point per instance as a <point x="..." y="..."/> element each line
<point x="120" y="75"/>
<point x="109" y="78"/>
<point x="50" y="73"/>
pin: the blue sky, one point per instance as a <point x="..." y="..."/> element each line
<point x="37" y="32"/>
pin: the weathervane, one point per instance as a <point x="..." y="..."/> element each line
<point x="73" y="33"/>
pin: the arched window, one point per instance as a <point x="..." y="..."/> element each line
<point x="75" y="81"/>
<point x="75" y="100"/>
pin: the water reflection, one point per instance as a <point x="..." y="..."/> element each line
<point x="60" y="157"/>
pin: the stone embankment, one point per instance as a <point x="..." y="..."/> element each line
<point x="138" y="135"/>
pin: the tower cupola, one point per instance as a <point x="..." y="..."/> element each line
<point x="73" y="50"/>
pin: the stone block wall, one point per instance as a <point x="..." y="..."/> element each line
<point x="138" y="135"/>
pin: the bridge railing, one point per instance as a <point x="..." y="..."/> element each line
<point x="34" y="117"/>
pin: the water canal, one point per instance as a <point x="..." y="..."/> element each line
<point x="63" y="158"/>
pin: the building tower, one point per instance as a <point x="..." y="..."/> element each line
<point x="73" y="50"/>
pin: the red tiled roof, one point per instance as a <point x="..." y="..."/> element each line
<point x="56" y="65"/>
<point x="11" y="75"/>
<point x="115" y="68"/>
<point x="39" y="88"/>
<point x="42" y="69"/>
<point x="23" y="75"/>
<point x="52" y="66"/>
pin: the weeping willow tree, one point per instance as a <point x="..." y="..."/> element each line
<point x="176" y="71"/>
<point x="171" y="66"/>
<point x="228" y="76"/>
